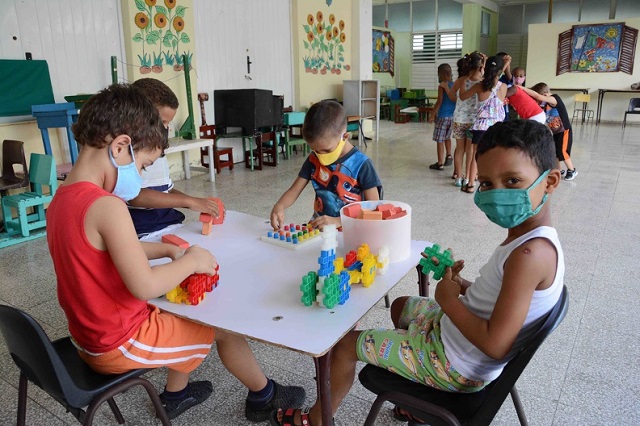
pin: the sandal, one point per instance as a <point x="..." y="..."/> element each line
<point x="288" y="417"/>
<point x="436" y="166"/>
<point x="454" y="175"/>
<point x="448" y="160"/>
<point x="469" y="189"/>
<point x="404" y="416"/>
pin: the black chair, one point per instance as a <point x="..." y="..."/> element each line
<point x="634" y="108"/>
<point x="57" y="368"/>
<point x="13" y="153"/>
<point x="439" y="408"/>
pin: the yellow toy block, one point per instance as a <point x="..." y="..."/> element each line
<point x="367" y="279"/>
<point x="338" y="264"/>
<point x="355" y="277"/>
<point x="363" y="251"/>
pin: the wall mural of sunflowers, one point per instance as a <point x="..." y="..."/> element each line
<point x="324" y="42"/>
<point x="161" y="27"/>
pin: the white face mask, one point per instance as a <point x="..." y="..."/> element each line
<point x="129" y="181"/>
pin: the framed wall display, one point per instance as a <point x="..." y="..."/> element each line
<point x="383" y="52"/>
<point x="606" y="47"/>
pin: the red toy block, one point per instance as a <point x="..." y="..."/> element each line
<point x="206" y="218"/>
<point x="371" y="215"/>
<point x="221" y="211"/>
<point x="175" y="240"/>
<point x="385" y="207"/>
<point x="398" y="215"/>
<point x="352" y="210"/>
<point x="350" y="258"/>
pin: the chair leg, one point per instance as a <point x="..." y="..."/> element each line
<point x="22" y="400"/>
<point x="515" y="397"/>
<point x="387" y="303"/>
<point x="116" y="411"/>
<point x="374" y="411"/>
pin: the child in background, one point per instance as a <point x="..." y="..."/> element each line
<point x="491" y="94"/>
<point x="471" y="330"/>
<point x="104" y="279"/>
<point x="339" y="172"/>
<point x="469" y="73"/>
<point x="564" y="138"/>
<point x="524" y="105"/>
<point x="444" y="118"/>
<point x="519" y="76"/>
<point x="154" y="208"/>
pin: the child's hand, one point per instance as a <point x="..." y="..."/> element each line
<point x="205" y="262"/>
<point x="321" y="221"/>
<point x="206" y="205"/>
<point x="277" y="217"/>
<point x="447" y="289"/>
<point x="175" y="252"/>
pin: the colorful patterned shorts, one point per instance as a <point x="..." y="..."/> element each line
<point x="461" y="130"/>
<point x="442" y="129"/>
<point x="415" y="350"/>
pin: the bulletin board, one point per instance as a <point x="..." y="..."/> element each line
<point x="383" y="52"/>
<point x="23" y="83"/>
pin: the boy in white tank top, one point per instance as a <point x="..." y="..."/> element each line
<point x="460" y="340"/>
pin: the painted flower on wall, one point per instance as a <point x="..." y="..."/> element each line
<point x="166" y="30"/>
<point x="325" y="44"/>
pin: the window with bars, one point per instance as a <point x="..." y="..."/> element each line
<point x="433" y="46"/>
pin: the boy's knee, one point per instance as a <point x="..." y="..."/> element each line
<point x="396" y="309"/>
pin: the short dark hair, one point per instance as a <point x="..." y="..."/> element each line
<point x="120" y="109"/>
<point x="324" y="118"/>
<point x="540" y="88"/>
<point x="159" y="93"/>
<point x="444" y="69"/>
<point x="492" y="69"/>
<point x="528" y="136"/>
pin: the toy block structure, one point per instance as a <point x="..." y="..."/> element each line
<point x="444" y="261"/>
<point x="175" y="240"/>
<point x="293" y="237"/>
<point x="208" y="220"/>
<point x="382" y="212"/>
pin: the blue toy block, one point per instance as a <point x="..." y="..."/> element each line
<point x="357" y="265"/>
<point x="444" y="261"/>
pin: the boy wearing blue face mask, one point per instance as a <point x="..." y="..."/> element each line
<point x="339" y="172"/>
<point x="461" y="340"/>
<point x="103" y="274"/>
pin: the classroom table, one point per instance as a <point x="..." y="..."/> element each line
<point x="57" y="115"/>
<point x="258" y="295"/>
<point x="601" y="93"/>
<point x="179" y="144"/>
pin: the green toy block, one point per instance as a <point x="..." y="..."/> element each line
<point x="444" y="261"/>
<point x="331" y="291"/>
<point x="308" y="288"/>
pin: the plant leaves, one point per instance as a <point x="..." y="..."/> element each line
<point x="153" y="37"/>
<point x="137" y="38"/>
<point x="162" y="9"/>
<point x="305" y="28"/>
<point x="184" y="38"/>
<point x="306" y="45"/>
<point x="141" y="6"/>
<point x="180" y="11"/>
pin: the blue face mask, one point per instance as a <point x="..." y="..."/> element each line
<point x="508" y="208"/>
<point x="129" y="181"/>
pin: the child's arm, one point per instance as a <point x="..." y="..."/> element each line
<point x="150" y="198"/>
<point x="453" y="92"/>
<point x="108" y="227"/>
<point x="436" y="107"/>
<point x="550" y="100"/>
<point x="288" y="198"/>
<point x="370" y="194"/>
<point x="473" y="90"/>
<point x="502" y="92"/>
<point x="530" y="266"/>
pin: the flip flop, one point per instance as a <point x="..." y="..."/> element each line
<point x="436" y="166"/>
<point x="469" y="189"/>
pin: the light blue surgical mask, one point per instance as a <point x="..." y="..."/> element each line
<point x="129" y="181"/>
<point x="508" y="208"/>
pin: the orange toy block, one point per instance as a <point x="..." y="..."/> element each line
<point x="206" y="228"/>
<point x="353" y="210"/>
<point x="175" y="240"/>
<point x="206" y="218"/>
<point x="221" y="211"/>
<point x="371" y="215"/>
<point x="398" y="215"/>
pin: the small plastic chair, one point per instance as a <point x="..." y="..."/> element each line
<point x="440" y="408"/>
<point x="219" y="159"/>
<point x="634" y="108"/>
<point x="293" y="120"/>
<point x="586" y="113"/>
<point x="12" y="154"/>
<point x="57" y="369"/>
<point x="42" y="173"/>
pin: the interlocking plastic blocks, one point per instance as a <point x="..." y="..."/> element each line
<point x="192" y="290"/>
<point x="175" y="240"/>
<point x="444" y="261"/>
<point x="208" y="220"/>
<point x="293" y="237"/>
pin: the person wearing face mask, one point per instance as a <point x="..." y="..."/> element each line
<point x="470" y="330"/>
<point x="339" y="172"/>
<point x="104" y="279"/>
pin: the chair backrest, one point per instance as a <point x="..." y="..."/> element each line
<point x="501" y="387"/>
<point x="207" y="131"/>
<point x="43" y="173"/>
<point x="13" y="153"/>
<point x="583" y="97"/>
<point x="34" y="354"/>
<point x="633" y="104"/>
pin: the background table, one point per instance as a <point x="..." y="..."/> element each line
<point x="601" y="93"/>
<point x="184" y="145"/>
<point x="259" y="296"/>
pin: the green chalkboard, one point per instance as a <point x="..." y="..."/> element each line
<point x="22" y="84"/>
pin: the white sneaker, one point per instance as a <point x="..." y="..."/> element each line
<point x="571" y="174"/>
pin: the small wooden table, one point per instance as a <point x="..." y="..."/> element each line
<point x="184" y="145"/>
<point x="425" y="112"/>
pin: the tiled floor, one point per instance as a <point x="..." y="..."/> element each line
<point x="586" y="373"/>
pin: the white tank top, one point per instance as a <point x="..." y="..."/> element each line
<point x="466" y="111"/>
<point x="480" y="298"/>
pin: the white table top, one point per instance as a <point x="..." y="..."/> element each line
<point x="259" y="297"/>
<point x="181" y="144"/>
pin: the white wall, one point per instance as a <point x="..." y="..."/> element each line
<point x="225" y="30"/>
<point x="541" y="66"/>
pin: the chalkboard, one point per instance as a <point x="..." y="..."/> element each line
<point x="22" y="84"/>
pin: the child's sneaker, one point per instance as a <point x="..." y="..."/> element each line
<point x="448" y="161"/>
<point x="283" y="396"/>
<point x="571" y="174"/>
<point x="197" y="393"/>
<point x="458" y="182"/>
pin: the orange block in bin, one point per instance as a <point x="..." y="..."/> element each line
<point x="353" y="210"/>
<point x="398" y="215"/>
<point x="371" y="215"/>
<point x="175" y="240"/>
